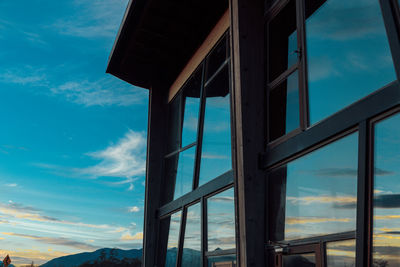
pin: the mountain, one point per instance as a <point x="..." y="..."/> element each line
<point x="80" y="258"/>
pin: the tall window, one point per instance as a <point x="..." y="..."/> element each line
<point x="322" y="57"/>
<point x="333" y="115"/>
<point x="197" y="219"/>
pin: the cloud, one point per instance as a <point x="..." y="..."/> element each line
<point x="336" y="172"/>
<point x="346" y="172"/>
<point x="222" y="199"/>
<point x="223" y="242"/>
<point x="104" y="92"/>
<point x="386" y="217"/>
<point x="107" y="91"/>
<point x="387" y="201"/>
<point x="213" y="156"/>
<point x="26" y="256"/>
<point x="24" y="75"/>
<point x="129" y="237"/>
<point x="126" y="158"/>
<point x="96" y="19"/>
<point x="11" y="185"/>
<point x="346" y="20"/>
<point x="340" y="200"/>
<point x="25" y="32"/>
<point x="60" y="241"/>
<point x="131" y="187"/>
<point x="19" y="211"/>
<point x="304" y="220"/>
<point x="133" y="209"/>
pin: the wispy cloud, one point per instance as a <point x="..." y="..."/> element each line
<point x="213" y="156"/>
<point x="60" y="241"/>
<point x="304" y="220"/>
<point x="126" y="158"/>
<point x="26" y="256"/>
<point x="386" y="217"/>
<point x="96" y="19"/>
<point x="129" y="237"/>
<point x="222" y="199"/>
<point x="24" y="75"/>
<point x="20" y="211"/>
<point x="347" y="172"/>
<point x="134" y="209"/>
<point x="104" y="92"/>
<point x="26" y="32"/>
<point x="322" y="199"/>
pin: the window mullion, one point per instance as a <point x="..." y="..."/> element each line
<point x="200" y="128"/>
<point x="301" y="44"/>
<point x="363" y="186"/>
<point x="181" y="237"/>
<point x="392" y="29"/>
<point x="203" y="231"/>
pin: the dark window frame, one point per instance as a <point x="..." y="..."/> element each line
<point x="391" y="18"/>
<point x="360" y="115"/>
<point x="200" y="194"/>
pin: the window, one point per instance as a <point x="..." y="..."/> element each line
<point x="313" y="200"/>
<point x="199" y="126"/>
<point x="333" y="134"/>
<point x="322" y="57"/>
<point x="348" y="54"/>
<point x="191" y="252"/>
<point x="221" y="221"/>
<point x="174" y="222"/>
<point x="198" y="169"/>
<point x="386" y="191"/>
<point x="315" y="195"/>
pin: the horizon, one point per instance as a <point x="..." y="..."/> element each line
<point x="73" y="139"/>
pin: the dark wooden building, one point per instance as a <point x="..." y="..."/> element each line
<point x="273" y="133"/>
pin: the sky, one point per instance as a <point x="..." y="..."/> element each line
<point x="72" y="138"/>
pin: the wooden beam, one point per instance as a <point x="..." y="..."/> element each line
<point x="216" y="33"/>
<point x="247" y="54"/>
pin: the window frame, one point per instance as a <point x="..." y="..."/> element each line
<point x="361" y="115"/>
<point x="222" y="182"/>
<point x="391" y="17"/>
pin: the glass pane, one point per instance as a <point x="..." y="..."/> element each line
<point x="284" y="108"/>
<point x="184" y="114"/>
<point x="216" y="58"/>
<point x="184" y="175"/>
<point x="299" y="260"/>
<point x="341" y="253"/>
<point x="282" y="41"/>
<point x="173" y="237"/>
<point x="315" y="194"/>
<point x="216" y="148"/>
<point x="348" y="54"/>
<point x="191" y="255"/>
<point x="386" y="232"/>
<point x="174" y="124"/>
<point x="221" y="221"/>
<point x="222" y="261"/>
<point x="191" y="104"/>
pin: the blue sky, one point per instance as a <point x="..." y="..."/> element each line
<point x="72" y="138"/>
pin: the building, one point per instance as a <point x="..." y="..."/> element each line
<point x="273" y="135"/>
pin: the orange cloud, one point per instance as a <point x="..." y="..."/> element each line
<point x="128" y="236"/>
<point x="303" y="220"/>
<point x="322" y="199"/>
